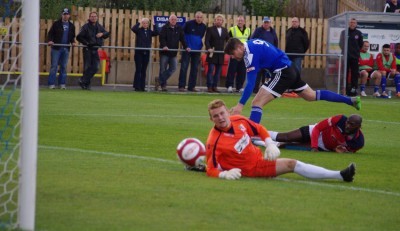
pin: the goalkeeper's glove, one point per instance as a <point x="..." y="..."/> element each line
<point x="271" y="150"/>
<point x="232" y="174"/>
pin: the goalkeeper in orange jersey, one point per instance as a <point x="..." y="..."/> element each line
<point x="231" y="154"/>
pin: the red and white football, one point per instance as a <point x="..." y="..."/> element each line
<point x="191" y="152"/>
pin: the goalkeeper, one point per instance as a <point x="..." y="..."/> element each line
<point x="231" y="154"/>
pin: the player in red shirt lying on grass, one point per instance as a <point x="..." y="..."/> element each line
<point x="337" y="133"/>
<point x="230" y="153"/>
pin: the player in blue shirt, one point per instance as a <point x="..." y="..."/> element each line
<point x="260" y="54"/>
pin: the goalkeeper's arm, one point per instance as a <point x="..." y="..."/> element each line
<point x="233" y="174"/>
<point x="271" y="150"/>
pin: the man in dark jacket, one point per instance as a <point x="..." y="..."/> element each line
<point x="392" y="6"/>
<point x="61" y="32"/>
<point x="354" y="45"/>
<point x="144" y="36"/>
<point x="92" y="35"/>
<point x="170" y="36"/>
<point x="216" y="37"/>
<point x="296" y="42"/>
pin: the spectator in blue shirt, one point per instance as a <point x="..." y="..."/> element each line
<point x="194" y="31"/>
<point x="268" y="34"/>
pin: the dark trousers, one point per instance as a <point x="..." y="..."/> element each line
<point x="352" y="82"/>
<point x="213" y="77"/>
<point x="91" y="63"/>
<point x="194" y="59"/>
<point x="238" y="69"/>
<point x="141" y="61"/>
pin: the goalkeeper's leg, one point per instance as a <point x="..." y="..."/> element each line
<point x="306" y="170"/>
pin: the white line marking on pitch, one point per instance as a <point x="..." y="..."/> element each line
<point x="191" y="116"/>
<point x="177" y="162"/>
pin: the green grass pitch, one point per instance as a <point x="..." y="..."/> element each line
<point x="106" y="161"/>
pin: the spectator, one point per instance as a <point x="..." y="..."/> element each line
<point x="354" y="44"/>
<point x="268" y="34"/>
<point x="296" y="42"/>
<point x="366" y="63"/>
<point x="337" y="133"/>
<point x="92" y="35"/>
<point x="397" y="54"/>
<point x="194" y="31"/>
<point x="170" y="36"/>
<point x="231" y="154"/>
<point x="142" y="57"/>
<point x="216" y="37"/>
<point x="386" y="63"/>
<point x="391" y="6"/>
<point x="237" y="68"/>
<point x="61" y="32"/>
<point x="397" y="77"/>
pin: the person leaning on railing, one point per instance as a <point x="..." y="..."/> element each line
<point x="61" y="32"/>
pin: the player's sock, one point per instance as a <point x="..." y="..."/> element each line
<point x="362" y="87"/>
<point x="315" y="172"/>
<point x="397" y="83"/>
<point x="273" y="135"/>
<point x="333" y="97"/>
<point x="256" y="114"/>
<point x="376" y="88"/>
<point x="383" y="84"/>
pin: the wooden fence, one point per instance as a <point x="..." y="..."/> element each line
<point x="119" y="22"/>
<point x="350" y="5"/>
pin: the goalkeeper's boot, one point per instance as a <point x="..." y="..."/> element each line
<point x="348" y="173"/>
<point x="357" y="102"/>
<point x="200" y="168"/>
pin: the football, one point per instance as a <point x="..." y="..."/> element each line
<point x="191" y="152"/>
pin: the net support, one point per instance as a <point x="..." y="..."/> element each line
<point x="29" y="113"/>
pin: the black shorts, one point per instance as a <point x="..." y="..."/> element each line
<point x="287" y="78"/>
<point x="369" y="73"/>
<point x="305" y="134"/>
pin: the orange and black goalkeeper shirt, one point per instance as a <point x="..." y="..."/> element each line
<point x="233" y="148"/>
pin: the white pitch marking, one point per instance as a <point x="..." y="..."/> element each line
<point x="177" y="162"/>
<point x="190" y="116"/>
<point x="109" y="154"/>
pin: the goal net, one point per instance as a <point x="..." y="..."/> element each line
<point x="18" y="139"/>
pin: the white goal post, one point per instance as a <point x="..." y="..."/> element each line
<point x="19" y="53"/>
<point x="29" y="114"/>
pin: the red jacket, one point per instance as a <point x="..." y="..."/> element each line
<point x="379" y="61"/>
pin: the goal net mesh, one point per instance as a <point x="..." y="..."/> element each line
<point x="10" y="101"/>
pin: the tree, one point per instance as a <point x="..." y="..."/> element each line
<point x="50" y="9"/>
<point x="265" y="7"/>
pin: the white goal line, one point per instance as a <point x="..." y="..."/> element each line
<point x="132" y="156"/>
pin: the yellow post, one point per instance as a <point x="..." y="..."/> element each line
<point x="103" y="71"/>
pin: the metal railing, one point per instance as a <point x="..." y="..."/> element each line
<point x="149" y="70"/>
